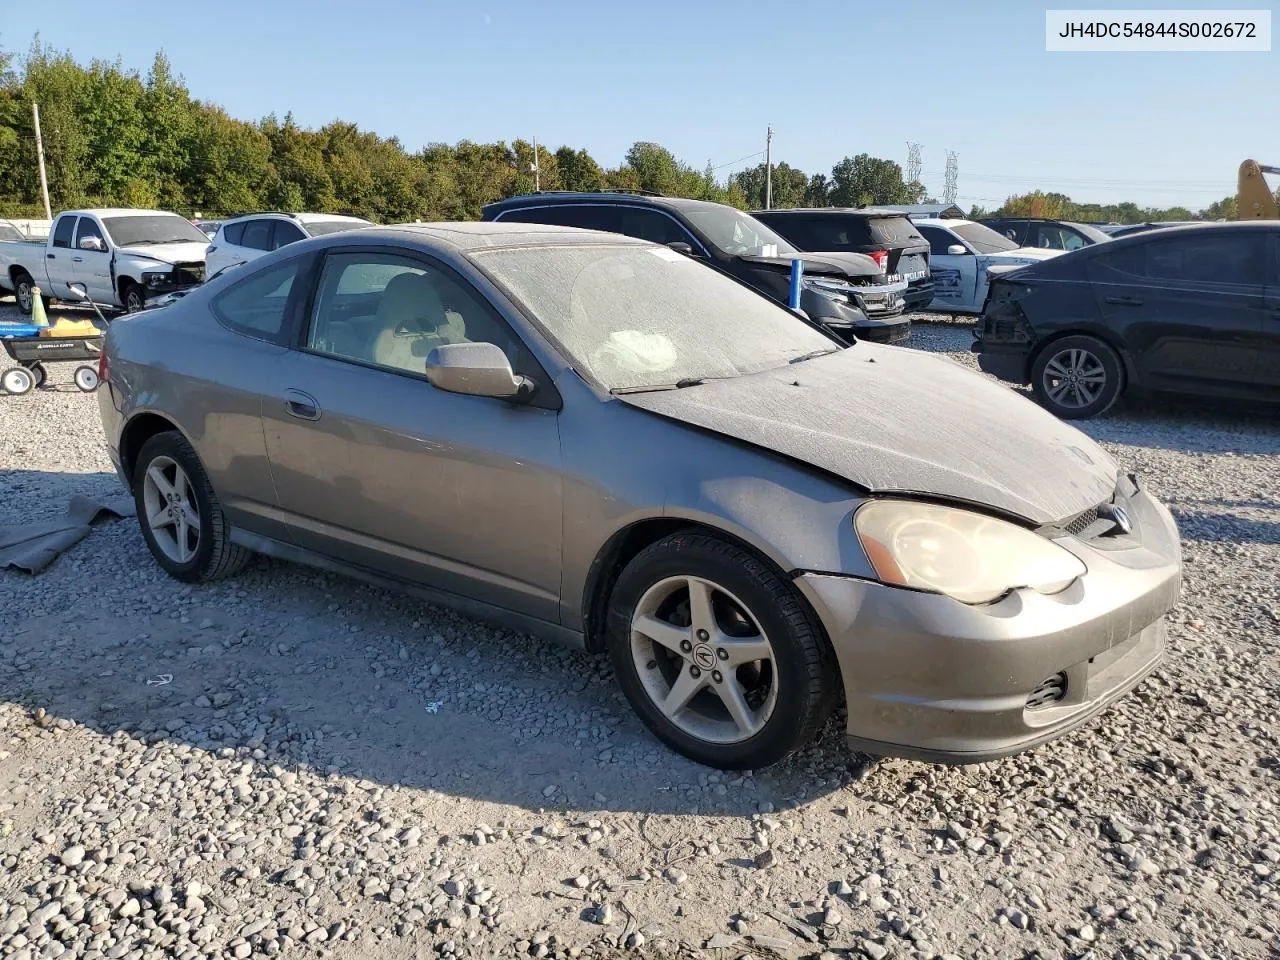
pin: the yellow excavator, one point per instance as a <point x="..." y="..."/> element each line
<point x="1254" y="199"/>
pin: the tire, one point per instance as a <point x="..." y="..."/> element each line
<point x="23" y="286"/>
<point x="1099" y="377"/>
<point x="86" y="378"/>
<point x="786" y="698"/>
<point x="17" y="381"/>
<point x="131" y="295"/>
<point x="190" y="552"/>
<point x="38" y="371"/>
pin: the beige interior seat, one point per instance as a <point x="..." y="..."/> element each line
<point x="411" y="319"/>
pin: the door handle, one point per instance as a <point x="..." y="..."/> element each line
<point x="50" y="256"/>
<point x="1122" y="301"/>
<point x="77" y="259"/>
<point x="301" y="405"/>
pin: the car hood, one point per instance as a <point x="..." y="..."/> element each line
<point x="897" y="421"/>
<point x="183" y="252"/>
<point x="825" y="264"/>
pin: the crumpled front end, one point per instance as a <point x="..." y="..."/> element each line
<point x="931" y="678"/>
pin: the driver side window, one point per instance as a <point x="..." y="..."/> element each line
<point x="939" y="240"/>
<point x="391" y="311"/>
<point x="88" y="228"/>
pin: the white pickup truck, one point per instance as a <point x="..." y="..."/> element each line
<point x="121" y="256"/>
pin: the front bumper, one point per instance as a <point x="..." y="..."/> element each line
<point x="930" y="678"/>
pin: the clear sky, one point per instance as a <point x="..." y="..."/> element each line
<point x="705" y="78"/>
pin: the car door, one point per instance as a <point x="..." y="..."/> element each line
<point x="954" y="274"/>
<point x="58" y="265"/>
<point x="283" y="233"/>
<point x="1269" y="343"/>
<point x="93" y="267"/>
<point x="1190" y="307"/>
<point x="256" y="239"/>
<point x="378" y="468"/>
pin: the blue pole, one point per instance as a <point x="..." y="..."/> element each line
<point x="797" y="275"/>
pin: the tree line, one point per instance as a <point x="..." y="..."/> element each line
<point x="1058" y="206"/>
<point x="115" y="137"/>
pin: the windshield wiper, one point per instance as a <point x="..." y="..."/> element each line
<point x="816" y="353"/>
<point x="678" y="385"/>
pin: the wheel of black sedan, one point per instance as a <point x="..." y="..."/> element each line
<point x="718" y="654"/>
<point x="1077" y="377"/>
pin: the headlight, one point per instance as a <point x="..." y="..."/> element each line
<point x="967" y="556"/>
<point x="156" y="279"/>
<point x="830" y="288"/>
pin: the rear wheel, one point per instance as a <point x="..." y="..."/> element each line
<point x="24" y="292"/>
<point x="86" y="378"/>
<point x="179" y="513"/>
<point x="718" y="654"/>
<point x="1077" y="377"/>
<point x="38" y="371"/>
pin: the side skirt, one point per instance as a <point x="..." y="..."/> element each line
<point x="478" y="609"/>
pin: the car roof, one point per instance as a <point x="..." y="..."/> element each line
<point x="551" y="197"/>
<point x="869" y="212"/>
<point x="123" y="212"/>
<point x="317" y="217"/>
<point x="940" y="222"/>
<point x="472" y="235"/>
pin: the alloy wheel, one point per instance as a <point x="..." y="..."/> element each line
<point x="1074" y="378"/>
<point x="171" y="510"/>
<point x="704" y="660"/>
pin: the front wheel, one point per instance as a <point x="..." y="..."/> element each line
<point x="1077" y="377"/>
<point x="718" y="654"/>
<point x="38" y="371"/>
<point x="179" y="513"/>
<point x="133" y="298"/>
<point x="17" y="381"/>
<point x="86" y="378"/>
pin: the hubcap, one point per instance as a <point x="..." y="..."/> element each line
<point x="171" y="510"/>
<point x="24" y="297"/>
<point x="1074" y="378"/>
<point x="704" y="660"/>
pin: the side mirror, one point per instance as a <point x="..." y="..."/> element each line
<point x="92" y="243"/>
<point x="78" y="291"/>
<point x="475" y="369"/>
<point x="679" y="246"/>
<point x="957" y="250"/>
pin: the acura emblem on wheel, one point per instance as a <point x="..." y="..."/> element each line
<point x="704" y="656"/>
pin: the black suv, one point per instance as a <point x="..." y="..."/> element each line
<point x="1046" y="234"/>
<point x="888" y="237"/>
<point x="846" y="292"/>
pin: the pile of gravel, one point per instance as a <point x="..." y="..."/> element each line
<point x="293" y="764"/>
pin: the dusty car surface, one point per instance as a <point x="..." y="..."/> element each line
<point x="599" y="440"/>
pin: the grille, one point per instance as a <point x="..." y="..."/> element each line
<point x="188" y="272"/>
<point x="1048" y="693"/>
<point x="1083" y="522"/>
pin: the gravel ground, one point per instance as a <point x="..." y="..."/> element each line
<point x="293" y="764"/>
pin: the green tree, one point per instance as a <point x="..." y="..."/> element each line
<point x="578" y="171"/>
<point x="866" y="180"/>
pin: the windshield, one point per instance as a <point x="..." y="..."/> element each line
<point x="637" y="316"/>
<point x="736" y="232"/>
<point x="161" y="228"/>
<point x="984" y="239"/>
<point x="318" y="228"/>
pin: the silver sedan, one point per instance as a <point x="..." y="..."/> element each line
<point x="603" y="442"/>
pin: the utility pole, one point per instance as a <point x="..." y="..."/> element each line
<point x="44" y="180"/>
<point x="768" y="170"/>
<point x="537" y="174"/>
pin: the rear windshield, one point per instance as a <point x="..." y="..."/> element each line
<point x="736" y="233"/>
<point x="318" y="228"/>
<point x="833" y="231"/>
<point x="984" y="239"/>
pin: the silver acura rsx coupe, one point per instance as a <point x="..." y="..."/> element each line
<point x="601" y="441"/>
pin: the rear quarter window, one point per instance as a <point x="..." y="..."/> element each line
<point x="257" y="305"/>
